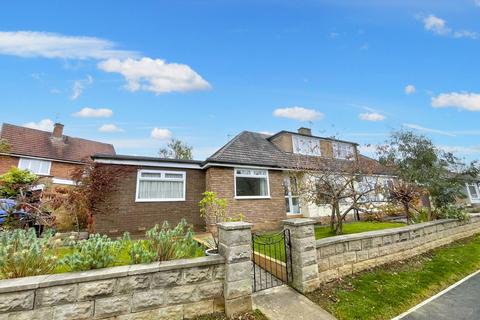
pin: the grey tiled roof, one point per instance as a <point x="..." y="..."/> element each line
<point x="251" y="148"/>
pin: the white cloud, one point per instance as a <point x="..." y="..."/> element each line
<point x="266" y="133"/>
<point x="409" y="89"/>
<point x="161" y="134"/>
<point x="155" y="75"/>
<point x="54" y="45"/>
<point x="439" y="26"/>
<point x="465" y="150"/>
<point x="298" y="113"/>
<point x="371" y="116"/>
<point x="45" y="125"/>
<point x="110" y="128"/>
<point x="368" y="149"/>
<point x="465" y="34"/>
<point x="436" y="25"/>
<point x="430" y="130"/>
<point x="94" y="113"/>
<point x="460" y="100"/>
<point x="79" y="86"/>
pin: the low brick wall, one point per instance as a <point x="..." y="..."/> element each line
<point x="345" y="255"/>
<point x="179" y="289"/>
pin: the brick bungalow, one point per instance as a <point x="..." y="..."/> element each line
<point x="251" y="171"/>
<point x="50" y="155"/>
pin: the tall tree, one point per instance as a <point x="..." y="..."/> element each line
<point x="4" y="146"/>
<point x="416" y="160"/>
<point x="176" y="149"/>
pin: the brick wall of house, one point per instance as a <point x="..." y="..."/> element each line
<point x="137" y="217"/>
<point x="6" y="162"/>
<point x="63" y="170"/>
<point x="60" y="170"/>
<point x="265" y="214"/>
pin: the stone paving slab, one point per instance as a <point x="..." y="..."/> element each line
<point x="284" y="303"/>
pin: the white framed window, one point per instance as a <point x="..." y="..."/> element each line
<point x="308" y="146"/>
<point x="251" y="183"/>
<point x="40" y="167"/>
<point x="292" y="199"/>
<point x="343" y="150"/>
<point x="473" y="192"/>
<point x="159" y="185"/>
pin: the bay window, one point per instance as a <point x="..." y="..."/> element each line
<point x="156" y="186"/>
<point x="36" y="166"/>
<point x="251" y="183"/>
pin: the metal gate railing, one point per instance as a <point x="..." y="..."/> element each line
<point x="272" y="260"/>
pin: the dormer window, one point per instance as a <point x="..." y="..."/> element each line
<point x="308" y="146"/>
<point x="343" y="150"/>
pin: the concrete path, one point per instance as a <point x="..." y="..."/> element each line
<point x="284" y="303"/>
<point x="460" y="301"/>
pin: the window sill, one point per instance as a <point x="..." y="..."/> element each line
<point x="252" y="197"/>
<point x="158" y="200"/>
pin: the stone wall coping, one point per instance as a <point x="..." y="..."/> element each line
<point x="31" y="283"/>
<point x="381" y="233"/>
<point x="298" y="222"/>
<point x="236" y="225"/>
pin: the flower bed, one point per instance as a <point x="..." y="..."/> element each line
<point x="23" y="254"/>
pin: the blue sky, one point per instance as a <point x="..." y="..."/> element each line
<point x="203" y="71"/>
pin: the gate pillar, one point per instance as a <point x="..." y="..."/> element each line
<point x="235" y="246"/>
<point x="304" y="254"/>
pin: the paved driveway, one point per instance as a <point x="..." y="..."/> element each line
<point x="462" y="302"/>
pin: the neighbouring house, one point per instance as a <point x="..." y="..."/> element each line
<point x="253" y="172"/>
<point x="473" y="194"/>
<point x="51" y="155"/>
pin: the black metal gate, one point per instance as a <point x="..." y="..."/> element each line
<point x="272" y="260"/>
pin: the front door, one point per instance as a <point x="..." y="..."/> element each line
<point x="292" y="199"/>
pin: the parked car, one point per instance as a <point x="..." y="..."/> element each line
<point x="9" y="213"/>
<point x="7" y="206"/>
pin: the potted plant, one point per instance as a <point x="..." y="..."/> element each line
<point x="213" y="210"/>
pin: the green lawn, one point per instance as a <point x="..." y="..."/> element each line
<point x="277" y="248"/>
<point x="389" y="290"/>
<point x="356" y="227"/>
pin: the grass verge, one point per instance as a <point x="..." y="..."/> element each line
<point x="387" y="291"/>
<point x="254" y="315"/>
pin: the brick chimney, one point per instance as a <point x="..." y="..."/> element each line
<point x="305" y="131"/>
<point x="58" y="130"/>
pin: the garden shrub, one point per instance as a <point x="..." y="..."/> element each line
<point x="163" y="243"/>
<point x="15" y="181"/>
<point x="453" y="212"/>
<point x="94" y="253"/>
<point x="23" y="254"/>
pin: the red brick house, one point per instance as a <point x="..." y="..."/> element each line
<point x="252" y="171"/>
<point x="50" y="155"/>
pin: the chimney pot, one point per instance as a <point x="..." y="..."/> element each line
<point x="58" y="130"/>
<point x="305" y="131"/>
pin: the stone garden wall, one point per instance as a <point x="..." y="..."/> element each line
<point x="168" y="290"/>
<point x="344" y="255"/>
<point x="178" y="289"/>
